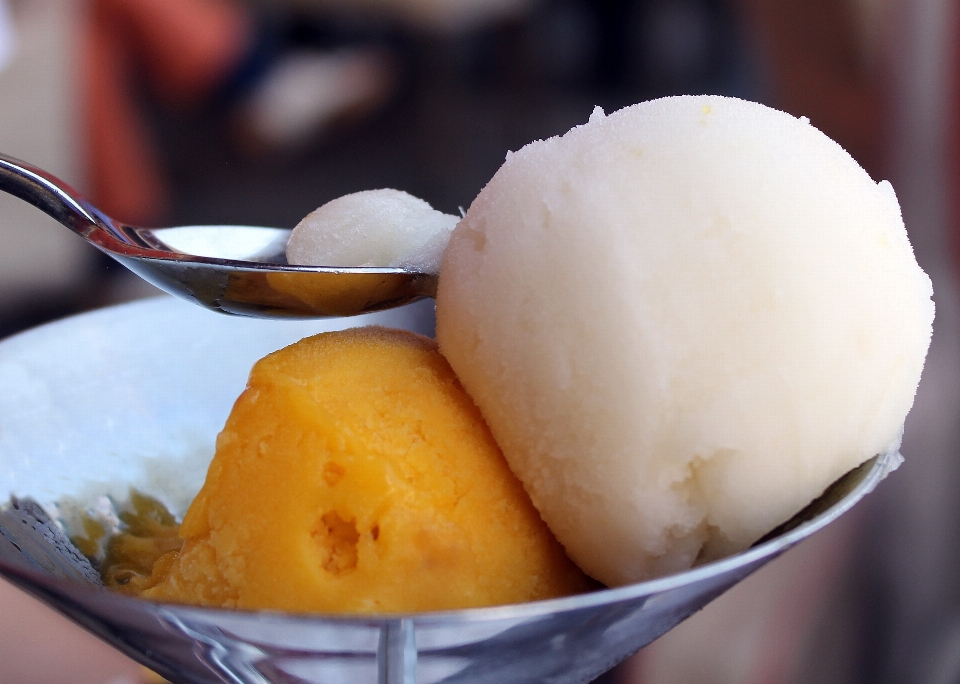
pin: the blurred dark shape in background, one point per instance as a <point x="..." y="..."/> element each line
<point x="460" y="100"/>
<point x="823" y="62"/>
<point x="218" y="111"/>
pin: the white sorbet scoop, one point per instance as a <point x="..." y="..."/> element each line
<point x="682" y="322"/>
<point x="387" y="228"/>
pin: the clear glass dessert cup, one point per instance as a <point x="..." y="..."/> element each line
<point x="133" y="396"/>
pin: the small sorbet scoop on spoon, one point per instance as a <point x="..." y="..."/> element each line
<point x="244" y="270"/>
<point x="373" y="228"/>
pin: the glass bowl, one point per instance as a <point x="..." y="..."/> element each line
<point x="134" y="395"/>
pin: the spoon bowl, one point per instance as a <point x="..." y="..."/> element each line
<point x="165" y="375"/>
<point x="239" y="270"/>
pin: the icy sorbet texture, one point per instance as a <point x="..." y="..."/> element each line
<point x="682" y="322"/>
<point x="355" y="475"/>
<point x="383" y="228"/>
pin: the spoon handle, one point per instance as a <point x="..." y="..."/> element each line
<point x="50" y="195"/>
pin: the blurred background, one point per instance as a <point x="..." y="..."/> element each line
<point x="177" y="112"/>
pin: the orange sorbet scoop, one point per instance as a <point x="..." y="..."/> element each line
<point x="355" y="475"/>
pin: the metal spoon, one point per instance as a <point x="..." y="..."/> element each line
<point x="239" y="270"/>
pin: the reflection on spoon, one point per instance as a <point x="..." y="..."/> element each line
<point x="239" y="270"/>
<point x="237" y="243"/>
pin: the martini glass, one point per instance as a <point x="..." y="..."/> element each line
<point x="133" y="396"/>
